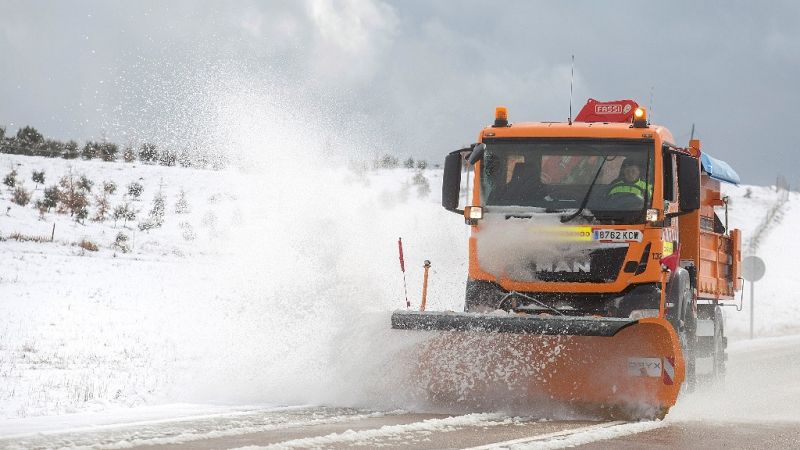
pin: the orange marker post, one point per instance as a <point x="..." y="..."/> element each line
<point x="426" y="266"/>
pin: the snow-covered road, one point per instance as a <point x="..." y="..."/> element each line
<point x="756" y="408"/>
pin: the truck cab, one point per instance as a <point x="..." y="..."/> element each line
<point x="604" y="216"/>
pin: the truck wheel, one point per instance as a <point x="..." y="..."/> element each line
<point x="688" y="336"/>
<point x="711" y="346"/>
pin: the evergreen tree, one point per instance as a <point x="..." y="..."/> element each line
<point x="108" y="151"/>
<point x="123" y="212"/>
<point x="167" y="158"/>
<point x="387" y="161"/>
<point x="51" y="149"/>
<point x="50" y="198"/>
<point x="90" y="150"/>
<point x="41" y="207"/>
<point x="71" y="150"/>
<point x="28" y="140"/>
<point x="128" y="155"/>
<point x="182" y="205"/>
<point x="81" y="214"/>
<point x="21" y="196"/>
<point x="422" y="184"/>
<point x="148" y="153"/>
<point x="135" y="189"/>
<point x="185" y="158"/>
<point x="409" y="163"/>
<point x="85" y="183"/>
<point x="10" y="179"/>
<point x="156" y="216"/>
<point x="118" y="213"/>
<point x="38" y="177"/>
<point x="30" y="135"/>
<point x="109" y="187"/>
<point x="121" y="242"/>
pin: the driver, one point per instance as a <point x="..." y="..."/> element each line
<point x="630" y="180"/>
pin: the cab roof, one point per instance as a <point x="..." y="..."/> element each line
<point x="577" y="130"/>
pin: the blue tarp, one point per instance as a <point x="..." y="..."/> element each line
<point x="718" y="169"/>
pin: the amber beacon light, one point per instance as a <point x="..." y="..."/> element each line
<point x="640" y="118"/>
<point x="501" y="116"/>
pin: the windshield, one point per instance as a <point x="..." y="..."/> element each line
<point x="557" y="175"/>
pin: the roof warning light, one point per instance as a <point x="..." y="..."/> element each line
<point x="501" y="116"/>
<point x="640" y="118"/>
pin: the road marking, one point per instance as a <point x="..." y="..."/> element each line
<point x="576" y="436"/>
<point x="426" y="426"/>
<point x="540" y="437"/>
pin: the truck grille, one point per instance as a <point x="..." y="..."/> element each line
<point x="604" y="266"/>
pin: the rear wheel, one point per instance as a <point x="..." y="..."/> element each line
<point x="711" y="346"/>
<point x="688" y="336"/>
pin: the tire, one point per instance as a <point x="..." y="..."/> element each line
<point x="712" y="347"/>
<point x="687" y="333"/>
<point x="683" y="317"/>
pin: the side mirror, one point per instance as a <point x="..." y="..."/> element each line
<point x="451" y="180"/>
<point x="688" y="183"/>
<point x="477" y="153"/>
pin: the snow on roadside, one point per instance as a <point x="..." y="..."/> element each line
<point x="352" y="437"/>
<point x="776" y="308"/>
<point x="588" y="435"/>
<point x="265" y="290"/>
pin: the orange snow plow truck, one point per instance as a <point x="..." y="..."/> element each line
<point x="598" y="265"/>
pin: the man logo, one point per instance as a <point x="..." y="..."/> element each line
<point x="565" y="266"/>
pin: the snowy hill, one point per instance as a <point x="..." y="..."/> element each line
<point x="273" y="286"/>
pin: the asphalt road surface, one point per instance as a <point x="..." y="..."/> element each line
<point x="759" y="407"/>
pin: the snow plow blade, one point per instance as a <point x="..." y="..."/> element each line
<point x="627" y="368"/>
<point x="547" y="325"/>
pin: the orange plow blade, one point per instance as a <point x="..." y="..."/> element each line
<point x="635" y="367"/>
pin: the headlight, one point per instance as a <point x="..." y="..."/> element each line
<point x="637" y="314"/>
<point x="476" y="212"/>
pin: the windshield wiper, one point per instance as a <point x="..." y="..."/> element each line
<point x="565" y="219"/>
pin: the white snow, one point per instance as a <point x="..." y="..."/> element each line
<point x="282" y="298"/>
<point x="171" y="425"/>
<point x="352" y="437"/>
<point x="575" y="437"/>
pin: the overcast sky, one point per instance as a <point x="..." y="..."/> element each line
<point x="413" y="77"/>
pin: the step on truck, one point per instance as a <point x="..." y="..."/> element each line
<point x="599" y="261"/>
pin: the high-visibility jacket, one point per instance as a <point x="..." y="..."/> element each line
<point x="637" y="188"/>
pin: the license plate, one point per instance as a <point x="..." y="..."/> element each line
<point x="617" y="235"/>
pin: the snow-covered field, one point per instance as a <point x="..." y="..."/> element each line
<point x="274" y="291"/>
<point x="275" y="287"/>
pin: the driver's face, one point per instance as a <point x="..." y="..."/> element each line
<point x="631" y="173"/>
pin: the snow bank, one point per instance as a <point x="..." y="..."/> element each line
<point x="776" y="308"/>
